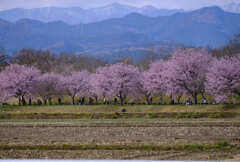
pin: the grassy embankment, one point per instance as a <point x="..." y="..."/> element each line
<point x="118" y="108"/>
<point x="115" y="111"/>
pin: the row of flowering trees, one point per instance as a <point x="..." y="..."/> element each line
<point x="188" y="72"/>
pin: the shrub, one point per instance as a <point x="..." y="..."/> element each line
<point x="215" y="115"/>
<point x="188" y="115"/>
<point x="152" y="115"/>
<point x="223" y="144"/>
<point x="110" y="116"/>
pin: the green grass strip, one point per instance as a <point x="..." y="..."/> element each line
<point x="221" y="145"/>
<point x="182" y="115"/>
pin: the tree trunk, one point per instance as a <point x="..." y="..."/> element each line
<point x="148" y="99"/>
<point x="45" y="101"/>
<point x="171" y="100"/>
<point x="160" y="100"/>
<point x="73" y="100"/>
<point x="195" y="99"/>
<point x="178" y="99"/>
<point x="19" y="101"/>
<point x="96" y="98"/>
<point x="121" y="100"/>
<point x="50" y="101"/>
<point x="29" y="101"/>
<point x="23" y="100"/>
<point x="59" y="101"/>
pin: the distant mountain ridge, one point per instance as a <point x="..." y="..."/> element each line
<point x="209" y="26"/>
<point x="77" y="15"/>
<point x="232" y="7"/>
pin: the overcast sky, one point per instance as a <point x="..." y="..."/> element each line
<point x="168" y="4"/>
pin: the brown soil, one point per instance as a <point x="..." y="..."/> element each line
<point x="117" y="135"/>
<point x="182" y="134"/>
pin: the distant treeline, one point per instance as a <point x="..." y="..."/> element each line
<point x="47" y="61"/>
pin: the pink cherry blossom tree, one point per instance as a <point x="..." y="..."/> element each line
<point x="3" y="94"/>
<point x="104" y="81"/>
<point x="145" y="87"/>
<point x="46" y="87"/>
<point x="119" y="80"/>
<point x="155" y="81"/>
<point x="175" y="92"/>
<point x="187" y="71"/>
<point x="75" y="84"/>
<point x="17" y="81"/>
<point x="95" y="90"/>
<point x="223" y="78"/>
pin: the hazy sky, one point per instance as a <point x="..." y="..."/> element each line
<point x="169" y="4"/>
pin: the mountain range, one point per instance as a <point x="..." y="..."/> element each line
<point x="210" y="26"/>
<point x="232" y="7"/>
<point x="77" y="15"/>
